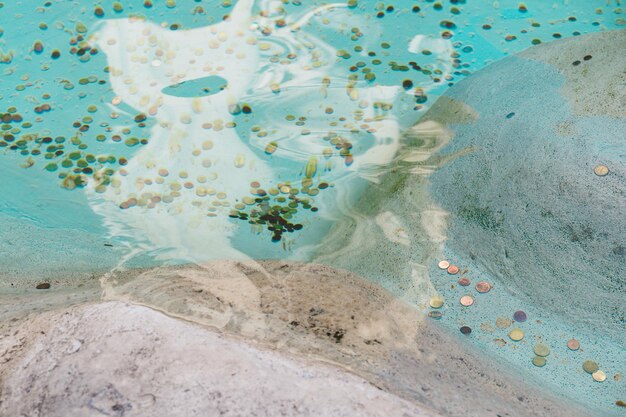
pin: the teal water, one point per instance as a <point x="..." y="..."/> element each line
<point x="164" y="134"/>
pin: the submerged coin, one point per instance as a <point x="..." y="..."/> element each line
<point x="453" y="270"/>
<point x="467" y="300"/>
<point x="434" y="315"/>
<point x="539" y="361"/>
<point x="573" y="344"/>
<point x="464" y="281"/>
<point x="519" y="316"/>
<point x="541" y="350"/>
<point x="503" y="322"/>
<point x="590" y="366"/>
<point x="601" y="170"/>
<point x="599" y="376"/>
<point x="436" y="302"/>
<point x="444" y="264"/>
<point x="465" y="330"/>
<point x="483" y="287"/>
<point x="516" y="335"/>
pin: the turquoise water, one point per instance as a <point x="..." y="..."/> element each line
<point x="164" y="134"/>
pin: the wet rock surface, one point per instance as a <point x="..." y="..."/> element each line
<point x="115" y="359"/>
<point x="334" y="316"/>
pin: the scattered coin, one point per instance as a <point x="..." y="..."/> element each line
<point x="434" y="315"/>
<point x="487" y="328"/>
<point x="573" y="344"/>
<point x="453" y="269"/>
<point x="466" y="330"/>
<point x="467" y="300"/>
<point x="599" y="376"/>
<point x="464" y="281"/>
<point x="436" y="302"/>
<point x="541" y="350"/>
<point x="519" y="316"/>
<point x="601" y="170"/>
<point x="503" y="322"/>
<point x="539" y="361"/>
<point x="483" y="287"/>
<point x="590" y="366"/>
<point x="444" y="264"/>
<point x="516" y="335"/>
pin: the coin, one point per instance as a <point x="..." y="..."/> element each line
<point x="539" y="361"/>
<point x="599" y="376"/>
<point x="503" y="322"/>
<point x="434" y="315"/>
<point x="516" y="335"/>
<point x="464" y="281"/>
<point x="453" y="269"/>
<point x="590" y="366"/>
<point x="483" y="287"/>
<point x="465" y="330"/>
<point x="436" y="302"/>
<point x="573" y="344"/>
<point x="467" y="300"/>
<point x="519" y="316"/>
<point x="601" y="170"/>
<point x="541" y="350"/>
<point x="444" y="264"/>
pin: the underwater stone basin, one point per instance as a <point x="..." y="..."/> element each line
<point x="525" y="203"/>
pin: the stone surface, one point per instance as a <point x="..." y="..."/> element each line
<point x="95" y="356"/>
<point x="115" y="359"/>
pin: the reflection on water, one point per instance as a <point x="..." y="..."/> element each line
<point x="206" y="163"/>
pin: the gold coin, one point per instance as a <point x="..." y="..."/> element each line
<point x="590" y="366"/>
<point x="483" y="287"/>
<point x="601" y="170"/>
<point x="541" y="350"/>
<point x="444" y="265"/>
<point x="516" y="335"/>
<point x="573" y="344"/>
<point x="503" y="322"/>
<point x="436" y="302"/>
<point x="467" y="300"/>
<point x="539" y="361"/>
<point x="599" y="376"/>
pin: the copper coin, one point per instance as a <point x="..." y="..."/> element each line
<point x="453" y="269"/>
<point x="464" y="281"/>
<point x="601" y="170"/>
<point x="483" y="287"/>
<point x="444" y="264"/>
<point x="573" y="344"/>
<point x="467" y="300"/>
